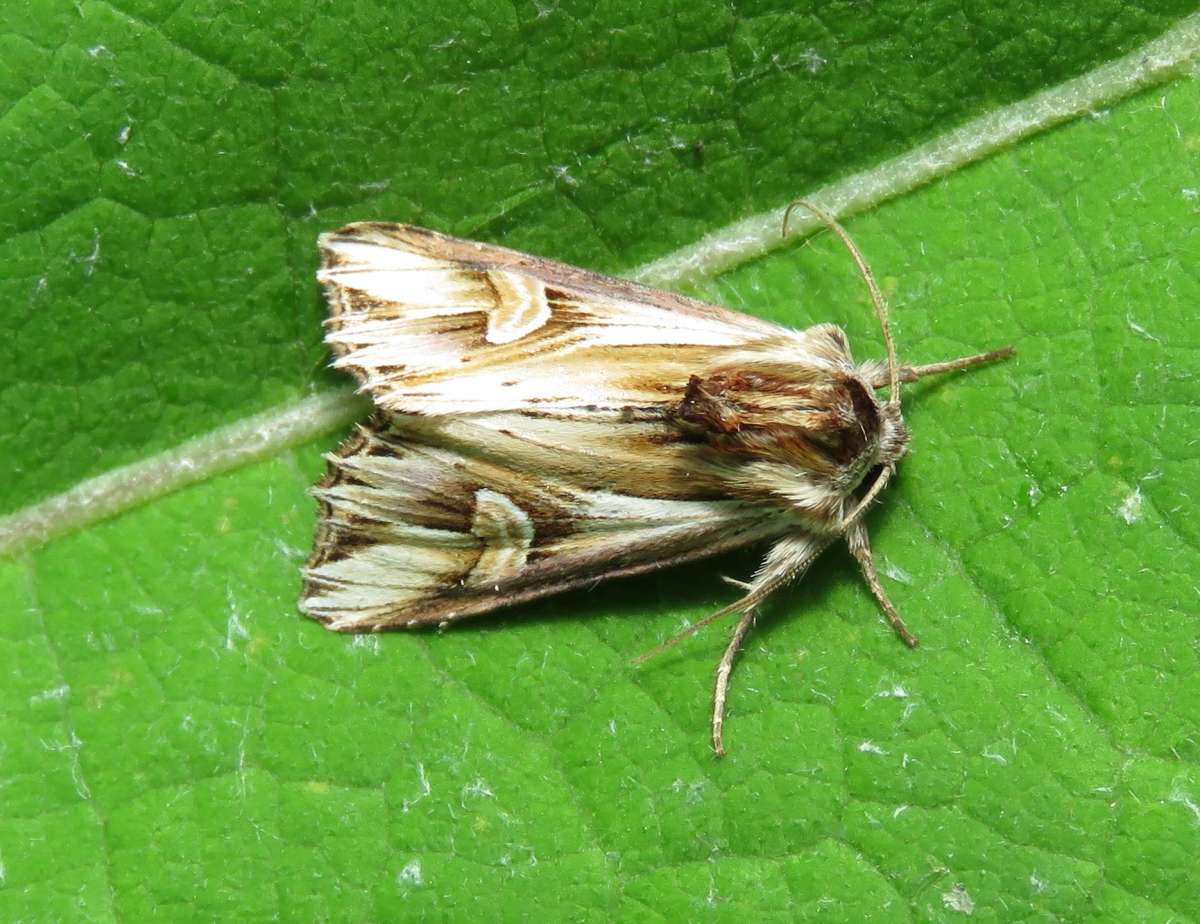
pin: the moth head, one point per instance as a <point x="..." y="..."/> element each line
<point x="882" y="438"/>
<point x="892" y="432"/>
<point x="893" y="435"/>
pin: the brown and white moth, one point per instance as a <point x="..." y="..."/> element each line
<point x="540" y="428"/>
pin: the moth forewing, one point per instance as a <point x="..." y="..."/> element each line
<point x="542" y="428"/>
<point x="434" y="325"/>
<point x="424" y="525"/>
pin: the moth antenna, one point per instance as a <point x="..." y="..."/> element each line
<point x="869" y="278"/>
<point x="913" y="373"/>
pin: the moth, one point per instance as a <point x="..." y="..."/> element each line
<point x="540" y="428"/>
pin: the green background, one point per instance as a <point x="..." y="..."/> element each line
<point x="177" y="742"/>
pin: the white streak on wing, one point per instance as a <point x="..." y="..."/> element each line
<point x="415" y="352"/>
<point x="664" y="522"/>
<point x="506" y="533"/>
<point x="682" y="333"/>
<point x="361" y="588"/>
<point x="521" y="307"/>
<point x="370" y="328"/>
<point x="388" y="568"/>
<point x="499" y="389"/>
<point x="351" y="255"/>
<point x="605" y="505"/>
<point x="553" y="377"/>
<point x="455" y="292"/>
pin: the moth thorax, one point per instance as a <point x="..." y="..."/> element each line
<point x="825" y="425"/>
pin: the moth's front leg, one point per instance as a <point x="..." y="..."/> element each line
<point x="860" y="548"/>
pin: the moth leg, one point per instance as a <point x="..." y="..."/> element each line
<point x="734" y="582"/>
<point x="788" y="559"/>
<point x="724" y="669"/>
<point x="860" y="548"/>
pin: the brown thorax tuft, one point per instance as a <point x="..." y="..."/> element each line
<point x="824" y="426"/>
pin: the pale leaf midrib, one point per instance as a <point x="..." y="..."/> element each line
<point x="261" y="435"/>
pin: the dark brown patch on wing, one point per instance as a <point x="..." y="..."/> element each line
<point x="823" y="426"/>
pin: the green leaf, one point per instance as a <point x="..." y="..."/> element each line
<point x="177" y="742"/>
